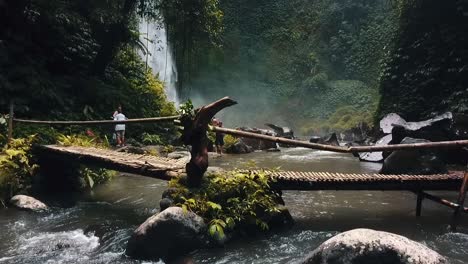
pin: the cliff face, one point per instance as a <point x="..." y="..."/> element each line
<point x="428" y="69"/>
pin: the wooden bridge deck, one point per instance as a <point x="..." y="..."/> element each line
<point x="294" y="180"/>
<point x="166" y="168"/>
<point x="146" y="165"/>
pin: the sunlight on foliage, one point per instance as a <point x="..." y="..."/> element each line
<point x="82" y="141"/>
<point x="229" y="141"/>
<point x="16" y="167"/>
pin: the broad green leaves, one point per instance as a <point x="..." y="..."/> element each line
<point x="16" y="167"/>
<point x="230" y="200"/>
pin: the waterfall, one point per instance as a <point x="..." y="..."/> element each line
<point x="159" y="56"/>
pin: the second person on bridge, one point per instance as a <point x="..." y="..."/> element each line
<point x="120" y="128"/>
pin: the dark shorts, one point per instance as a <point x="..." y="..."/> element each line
<point x="219" y="139"/>
<point x="120" y="133"/>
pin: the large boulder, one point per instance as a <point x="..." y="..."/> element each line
<point x="258" y="144"/>
<point x="366" y="246"/>
<point x="331" y="139"/>
<point x="27" y="203"/>
<point x="167" y="235"/>
<point x="417" y="161"/>
<point x="376" y="156"/>
<point x="285" y="132"/>
<point x="239" y="148"/>
<point x="434" y="129"/>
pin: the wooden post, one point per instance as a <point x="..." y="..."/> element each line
<point x="460" y="201"/>
<point x="10" y="123"/>
<point x="419" y="203"/>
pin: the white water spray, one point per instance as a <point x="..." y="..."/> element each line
<point x="159" y="56"/>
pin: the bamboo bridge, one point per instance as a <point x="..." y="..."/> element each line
<point x="166" y="168"/>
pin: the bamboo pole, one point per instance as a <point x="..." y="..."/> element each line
<point x="442" y="201"/>
<point x="419" y="203"/>
<point x="441" y="144"/>
<point x="98" y="122"/>
<point x="10" y="122"/>
<point x="287" y="141"/>
<point x="460" y="202"/>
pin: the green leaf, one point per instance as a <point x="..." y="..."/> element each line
<point x="214" y="206"/>
<point x="90" y="181"/>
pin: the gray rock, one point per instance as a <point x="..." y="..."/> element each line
<point x="366" y="246"/>
<point x="28" y="203"/>
<point x="165" y="203"/>
<point x="418" y="161"/>
<point x="331" y="139"/>
<point x="167" y="235"/>
<point x="439" y="128"/>
<point x="273" y="150"/>
<point x="314" y="139"/>
<point x="239" y="148"/>
<point x="179" y="155"/>
<point x="169" y="192"/>
<point x="376" y="156"/>
<point x="258" y="144"/>
<point x="285" y="132"/>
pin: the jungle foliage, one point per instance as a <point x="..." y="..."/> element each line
<point x="288" y="61"/>
<point x="427" y="72"/>
<point x="230" y="201"/>
<point x="17" y="167"/>
<point x="78" y="60"/>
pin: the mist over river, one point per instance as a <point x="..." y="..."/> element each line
<point x="94" y="228"/>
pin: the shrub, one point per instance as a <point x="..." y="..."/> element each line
<point x="93" y="176"/>
<point x="230" y="200"/>
<point x="229" y="141"/>
<point x="89" y="140"/>
<point x="16" y="167"/>
<point x="151" y="139"/>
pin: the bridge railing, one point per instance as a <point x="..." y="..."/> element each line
<point x="458" y="207"/>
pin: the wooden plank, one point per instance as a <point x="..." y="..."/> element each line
<point x="150" y="166"/>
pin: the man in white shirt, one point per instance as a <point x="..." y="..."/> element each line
<point x="120" y="128"/>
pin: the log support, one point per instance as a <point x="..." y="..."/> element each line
<point x="460" y="201"/>
<point x="419" y="203"/>
<point x="195" y="135"/>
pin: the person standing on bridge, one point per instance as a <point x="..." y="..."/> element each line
<point x="120" y="128"/>
<point x="219" y="140"/>
<point x="116" y="112"/>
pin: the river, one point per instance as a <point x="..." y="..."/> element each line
<point x="94" y="227"/>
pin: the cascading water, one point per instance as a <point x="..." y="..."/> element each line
<point x="159" y="55"/>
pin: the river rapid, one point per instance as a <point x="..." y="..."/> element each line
<point x="94" y="227"/>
